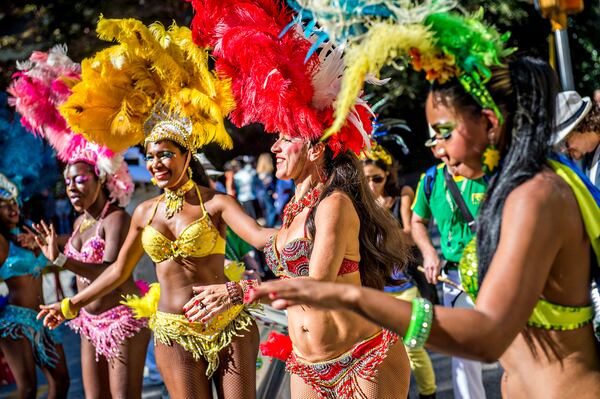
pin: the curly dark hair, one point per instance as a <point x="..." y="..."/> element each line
<point x="382" y="246"/>
<point x="525" y="90"/>
<point x="591" y="122"/>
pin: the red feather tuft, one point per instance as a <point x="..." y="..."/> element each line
<point x="271" y="82"/>
<point x="277" y="345"/>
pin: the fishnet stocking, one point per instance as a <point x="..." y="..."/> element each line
<point x="392" y="381"/>
<point x="235" y="378"/>
<point x="236" y="375"/>
<point x="183" y="376"/>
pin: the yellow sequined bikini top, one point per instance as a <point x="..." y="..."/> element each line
<point x="198" y="239"/>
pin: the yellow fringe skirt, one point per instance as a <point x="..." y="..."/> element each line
<point x="203" y="341"/>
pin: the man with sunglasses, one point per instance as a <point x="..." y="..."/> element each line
<point x="455" y="221"/>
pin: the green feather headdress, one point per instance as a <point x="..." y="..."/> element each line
<point x="444" y="45"/>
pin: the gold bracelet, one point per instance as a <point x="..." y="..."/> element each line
<point x="65" y="308"/>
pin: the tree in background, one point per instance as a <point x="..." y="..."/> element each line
<point x="26" y="26"/>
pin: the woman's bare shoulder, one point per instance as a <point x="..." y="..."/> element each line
<point x="144" y="209"/>
<point x="544" y="190"/>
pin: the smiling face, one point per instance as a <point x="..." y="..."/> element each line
<point x="376" y="178"/>
<point x="82" y="184"/>
<point x="461" y="137"/>
<point x="165" y="162"/>
<point x="9" y="212"/>
<point x="291" y="156"/>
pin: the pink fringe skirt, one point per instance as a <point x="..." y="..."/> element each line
<point x="108" y="330"/>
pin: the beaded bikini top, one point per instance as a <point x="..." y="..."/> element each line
<point x="198" y="239"/>
<point x="294" y="258"/>
<point x="546" y="315"/>
<point x="92" y="250"/>
<point x="21" y="262"/>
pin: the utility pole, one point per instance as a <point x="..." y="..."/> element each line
<point x="557" y="11"/>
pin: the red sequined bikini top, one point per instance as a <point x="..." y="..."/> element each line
<point x="294" y="258"/>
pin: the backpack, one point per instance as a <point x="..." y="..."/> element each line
<point x="429" y="180"/>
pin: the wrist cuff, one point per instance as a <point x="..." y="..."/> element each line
<point x="65" y="308"/>
<point x="60" y="260"/>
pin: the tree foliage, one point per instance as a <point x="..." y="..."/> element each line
<point x="31" y="25"/>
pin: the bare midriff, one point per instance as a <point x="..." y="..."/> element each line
<point x="178" y="277"/>
<point x="111" y="299"/>
<point x="319" y="335"/>
<point x="25" y="291"/>
<point x="552" y="364"/>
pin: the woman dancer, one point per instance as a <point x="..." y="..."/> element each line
<point x="113" y="342"/>
<point x="182" y="230"/>
<point x="536" y="228"/>
<point x="381" y="175"/>
<point x="24" y="340"/>
<point x="332" y="230"/>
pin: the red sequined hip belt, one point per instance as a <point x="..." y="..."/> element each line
<point x="338" y="377"/>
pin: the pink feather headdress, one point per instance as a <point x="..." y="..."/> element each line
<point x="271" y="82"/>
<point x="38" y="89"/>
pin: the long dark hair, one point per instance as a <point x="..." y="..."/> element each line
<point x="392" y="185"/>
<point x="525" y="91"/>
<point x="199" y="176"/>
<point x="382" y="248"/>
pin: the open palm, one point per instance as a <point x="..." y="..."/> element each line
<point x="46" y="239"/>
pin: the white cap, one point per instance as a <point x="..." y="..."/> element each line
<point x="570" y="110"/>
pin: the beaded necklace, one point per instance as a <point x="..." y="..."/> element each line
<point x="174" y="199"/>
<point x="293" y="208"/>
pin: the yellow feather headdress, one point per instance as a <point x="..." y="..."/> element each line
<point x="129" y="91"/>
<point x="378" y="153"/>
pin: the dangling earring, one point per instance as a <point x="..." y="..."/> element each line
<point x="190" y="173"/>
<point x="490" y="159"/>
<point x="153" y="181"/>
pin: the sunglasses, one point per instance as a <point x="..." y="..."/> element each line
<point x="78" y="180"/>
<point x="378" y="179"/>
<point x="440" y="131"/>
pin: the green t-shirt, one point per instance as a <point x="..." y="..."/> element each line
<point x="455" y="233"/>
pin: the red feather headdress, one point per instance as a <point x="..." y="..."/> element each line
<point x="271" y="82"/>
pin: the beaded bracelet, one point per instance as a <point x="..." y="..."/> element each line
<point x="235" y="292"/>
<point x="420" y="323"/>
<point x="65" y="308"/>
<point x="247" y="285"/>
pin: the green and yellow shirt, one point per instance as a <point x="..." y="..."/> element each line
<point x="455" y="233"/>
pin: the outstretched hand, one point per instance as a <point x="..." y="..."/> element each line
<point x="301" y="291"/>
<point x="52" y="315"/>
<point x="209" y="301"/>
<point x="46" y="239"/>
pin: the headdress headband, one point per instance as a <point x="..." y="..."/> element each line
<point x="378" y="153"/>
<point x="8" y="190"/>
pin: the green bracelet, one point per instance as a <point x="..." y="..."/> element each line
<point x="420" y="323"/>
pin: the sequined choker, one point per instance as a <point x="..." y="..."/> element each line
<point x="294" y="207"/>
<point x="174" y="199"/>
